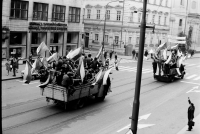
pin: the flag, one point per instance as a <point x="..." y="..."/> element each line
<point x="37" y="64"/>
<point x="105" y="77"/>
<point x="53" y="57"/>
<point x="174" y="47"/>
<point x="97" y="77"/>
<point x="162" y="46"/>
<point x="75" y="55"/>
<point x="44" y="61"/>
<point x="27" y="72"/>
<point x="42" y="48"/>
<point x="81" y="69"/>
<point x="99" y="53"/>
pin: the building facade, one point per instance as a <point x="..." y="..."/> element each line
<point x="30" y="22"/>
<point x="185" y="17"/>
<point x="123" y="21"/>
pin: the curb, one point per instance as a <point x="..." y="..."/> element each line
<point x="18" y="77"/>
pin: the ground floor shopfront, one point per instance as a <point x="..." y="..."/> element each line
<point x="22" y="44"/>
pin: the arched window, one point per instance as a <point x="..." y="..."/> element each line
<point x="193" y="4"/>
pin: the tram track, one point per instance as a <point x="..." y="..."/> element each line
<point x="61" y="123"/>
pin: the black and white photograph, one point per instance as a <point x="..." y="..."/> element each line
<point x="100" y="67"/>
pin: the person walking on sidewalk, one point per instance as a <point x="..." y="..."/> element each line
<point x="116" y="62"/>
<point x="14" y="66"/>
<point x="133" y="54"/>
<point x="190" y="115"/>
<point x="8" y="64"/>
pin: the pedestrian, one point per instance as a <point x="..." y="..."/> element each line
<point x="30" y="58"/>
<point x="8" y="64"/>
<point x="191" y="110"/>
<point x="111" y="53"/>
<point x="116" y="62"/>
<point x="133" y="53"/>
<point x="14" y="66"/>
<point x="146" y="54"/>
<point x="136" y="55"/>
<point x="17" y="64"/>
<point x="105" y="55"/>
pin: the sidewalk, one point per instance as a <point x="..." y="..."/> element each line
<point x="196" y="128"/>
<point x="10" y="76"/>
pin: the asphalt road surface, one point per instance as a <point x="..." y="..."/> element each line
<point x="163" y="106"/>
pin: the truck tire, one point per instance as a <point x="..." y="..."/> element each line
<point x="80" y="103"/>
<point x="100" y="98"/>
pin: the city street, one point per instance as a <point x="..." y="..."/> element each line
<point x="163" y="106"/>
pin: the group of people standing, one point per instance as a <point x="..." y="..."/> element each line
<point x="12" y="65"/>
<point x="135" y="54"/>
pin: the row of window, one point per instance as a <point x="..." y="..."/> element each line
<point x="116" y="39"/>
<point x="19" y="10"/>
<point x="118" y="17"/>
<point x="155" y="1"/>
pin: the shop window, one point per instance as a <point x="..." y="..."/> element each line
<point x="35" y="38"/>
<point x="15" y="38"/>
<point x="74" y="14"/>
<point x="17" y="52"/>
<point x="19" y="9"/>
<point x="34" y="51"/>
<point x="58" y="13"/>
<point x="40" y="11"/>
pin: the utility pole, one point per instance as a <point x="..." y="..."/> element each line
<point x="122" y="23"/>
<point x="186" y="17"/>
<point x="136" y="102"/>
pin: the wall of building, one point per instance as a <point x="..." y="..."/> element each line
<point x="130" y="29"/>
<point x="22" y="26"/>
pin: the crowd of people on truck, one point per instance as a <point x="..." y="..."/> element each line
<point x="66" y="72"/>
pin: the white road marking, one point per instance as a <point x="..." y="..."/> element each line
<point x="20" y="80"/>
<point x="144" y="117"/>
<point x="193" y="89"/>
<point x="190" y="82"/>
<point x="133" y="69"/>
<point x="197" y="78"/>
<point x="189" y="77"/>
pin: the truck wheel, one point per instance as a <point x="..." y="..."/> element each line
<point x="79" y="103"/>
<point x="172" y="78"/>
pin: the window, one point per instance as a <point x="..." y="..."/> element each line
<point x="116" y="39"/>
<point x="147" y="18"/>
<point x="193" y="5"/>
<point x="137" y="40"/>
<point x="58" y="13"/>
<point x="154" y="2"/>
<point x="108" y="14"/>
<point x="19" y="9"/>
<point x="153" y="18"/>
<point x="161" y="2"/>
<point x="180" y="22"/>
<point x="88" y="13"/>
<point x="129" y="40"/>
<point x="181" y="3"/>
<point x="35" y="38"/>
<point x="98" y="14"/>
<point x="15" y="38"/>
<point x="166" y="3"/>
<point x="74" y="14"/>
<point x="139" y="17"/>
<point x="159" y="20"/>
<point x="131" y="17"/>
<point x="40" y="11"/>
<point x="165" y="19"/>
<point x="118" y="15"/>
<point x="106" y="38"/>
<point x="96" y="37"/>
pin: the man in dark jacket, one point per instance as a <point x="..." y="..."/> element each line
<point x="133" y="53"/>
<point x="95" y="64"/>
<point x="190" y="114"/>
<point x="89" y="60"/>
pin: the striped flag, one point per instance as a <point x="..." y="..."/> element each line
<point x="42" y="48"/>
<point x="99" y="53"/>
<point x="53" y="57"/>
<point x="81" y="69"/>
<point x="105" y="77"/>
<point x="97" y="77"/>
<point x="27" y="72"/>
<point x="75" y="55"/>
